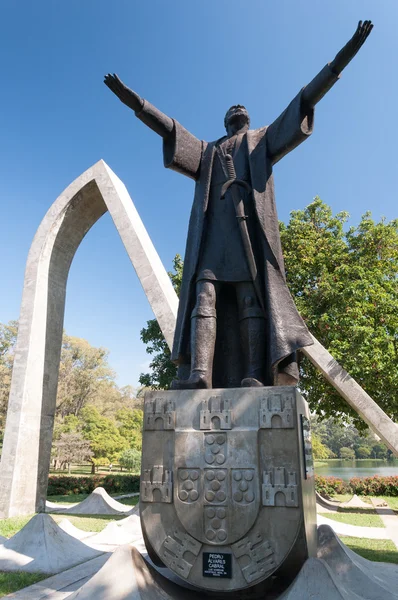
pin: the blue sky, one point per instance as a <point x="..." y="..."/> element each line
<point x="192" y="59"/>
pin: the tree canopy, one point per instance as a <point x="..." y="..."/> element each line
<point x="345" y="285"/>
<point x="95" y="419"/>
<point x="344" y="282"/>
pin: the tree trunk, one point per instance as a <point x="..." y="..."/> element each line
<point x="69" y="465"/>
<point x="92" y="469"/>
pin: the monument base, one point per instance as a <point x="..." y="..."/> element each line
<point x="227" y="493"/>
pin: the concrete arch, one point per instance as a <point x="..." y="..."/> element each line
<point x="26" y="451"/>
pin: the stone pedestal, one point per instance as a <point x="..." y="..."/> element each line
<point x="227" y="485"/>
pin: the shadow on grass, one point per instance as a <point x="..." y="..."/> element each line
<point x="375" y="550"/>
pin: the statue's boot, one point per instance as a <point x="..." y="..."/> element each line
<point x="203" y="338"/>
<point x="253" y="345"/>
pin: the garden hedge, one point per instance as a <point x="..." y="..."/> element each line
<point x="60" y="485"/>
<point x="366" y="486"/>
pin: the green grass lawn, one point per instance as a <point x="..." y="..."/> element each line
<point x="359" y="516"/>
<point x="89" y="523"/>
<point x="95" y="523"/>
<point x="12" y="582"/>
<point x="392" y="501"/>
<point x="376" y="550"/>
<point x="9" y="527"/>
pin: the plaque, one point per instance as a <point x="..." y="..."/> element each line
<point x="307" y="447"/>
<point x="217" y="564"/>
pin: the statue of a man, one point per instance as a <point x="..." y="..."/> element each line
<point x="233" y="286"/>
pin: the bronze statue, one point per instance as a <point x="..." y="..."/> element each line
<point x="233" y="288"/>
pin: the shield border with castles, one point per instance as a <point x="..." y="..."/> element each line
<point x="214" y="470"/>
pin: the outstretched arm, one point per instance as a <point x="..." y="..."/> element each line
<point x="321" y="84"/>
<point x="154" y="118"/>
<point x="182" y="151"/>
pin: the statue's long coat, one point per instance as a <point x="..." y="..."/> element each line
<point x="286" y="331"/>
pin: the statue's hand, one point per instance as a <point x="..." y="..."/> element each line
<point x="127" y="96"/>
<point x="347" y="53"/>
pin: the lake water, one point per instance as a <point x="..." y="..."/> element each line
<point x="345" y="469"/>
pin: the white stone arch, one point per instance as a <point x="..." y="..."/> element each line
<point x="26" y="451"/>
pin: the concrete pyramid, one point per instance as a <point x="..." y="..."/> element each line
<point x="42" y="546"/>
<point x="52" y="507"/>
<point x="118" y="533"/>
<point x="340" y="574"/>
<point x="99" y="502"/>
<point x="356" y="502"/>
<point x="74" y="531"/>
<point x="368" y="580"/>
<point x="127" y="576"/>
<point x="315" y="581"/>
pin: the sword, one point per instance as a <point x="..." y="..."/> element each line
<point x="232" y="185"/>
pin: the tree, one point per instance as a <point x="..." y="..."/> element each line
<point x="335" y="435"/>
<point x="163" y="371"/>
<point x="379" y="451"/>
<point x="130" y="424"/>
<point x="105" y="440"/>
<point x="345" y="285"/>
<point x="131" y="460"/>
<point x="71" y="448"/>
<point x="83" y="369"/>
<point x="8" y="336"/>
<point x="363" y="452"/>
<point x="347" y="453"/>
<point x="319" y="451"/>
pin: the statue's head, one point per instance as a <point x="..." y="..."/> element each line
<point x="236" y="117"/>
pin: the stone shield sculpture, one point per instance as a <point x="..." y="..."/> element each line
<point x="227" y="486"/>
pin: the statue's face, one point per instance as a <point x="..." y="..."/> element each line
<point x="236" y="117"/>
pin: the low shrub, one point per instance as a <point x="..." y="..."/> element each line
<point x="59" y="485"/>
<point x="375" y="486"/>
<point x="365" y="486"/>
<point x="328" y="486"/>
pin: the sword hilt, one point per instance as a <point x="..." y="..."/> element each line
<point x="230" y="166"/>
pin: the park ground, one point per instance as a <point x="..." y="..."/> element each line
<point x="382" y="550"/>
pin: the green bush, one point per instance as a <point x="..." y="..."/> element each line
<point x="328" y="486"/>
<point x="375" y="486"/>
<point x="59" y="485"/>
<point x="366" y="486"/>
<point x="131" y="460"/>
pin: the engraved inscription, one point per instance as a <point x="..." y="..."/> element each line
<point x="216" y="414"/>
<point x="276" y="411"/>
<point x="243" y="486"/>
<point x="255" y="556"/>
<point x="176" y="552"/>
<point x="156" y="485"/>
<point x="159" y="414"/>
<point x="279" y="488"/>
<point x="188" y="485"/>
<point x="215" y="524"/>
<point x="215" y="448"/>
<point x="215" y="483"/>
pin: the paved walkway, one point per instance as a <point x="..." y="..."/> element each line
<point x="389" y="518"/>
<point x="374" y="533"/>
<point x="59" y="587"/>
